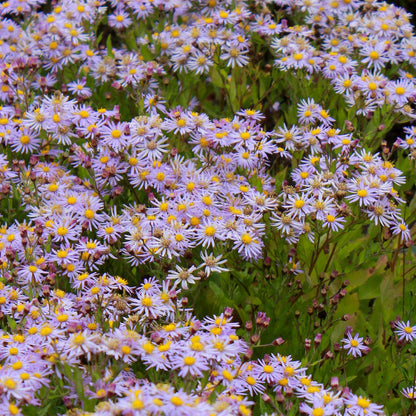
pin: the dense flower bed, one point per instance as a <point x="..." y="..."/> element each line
<point x="207" y="208"/>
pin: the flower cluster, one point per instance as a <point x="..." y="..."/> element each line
<point x="356" y="42"/>
<point x="141" y="327"/>
<point x="136" y="162"/>
<point x="336" y="172"/>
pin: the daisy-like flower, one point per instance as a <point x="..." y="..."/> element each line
<point x="235" y="55"/>
<point x="147" y="304"/>
<point x="248" y="245"/>
<point x="251" y="114"/>
<point x="409" y="392"/>
<point x="361" y="406"/>
<point x="30" y="274"/>
<point x="374" y="55"/>
<point x="212" y="264"/>
<point x="25" y="141"/>
<point x="191" y="363"/>
<point x="83" y="343"/>
<point x="113" y="135"/>
<point x="354" y="345"/>
<point x="400" y="91"/>
<point x="298" y="205"/>
<point x="400" y="228"/>
<point x="405" y="331"/>
<point x="183" y="276"/>
<point x="208" y="233"/>
<point x="318" y="407"/>
<point x="380" y="213"/>
<point x="362" y="193"/>
<point x="179" y="404"/>
<point x="333" y="222"/>
<point x="308" y="111"/>
<point x="199" y="63"/>
<point x="119" y="20"/>
<point x="79" y="88"/>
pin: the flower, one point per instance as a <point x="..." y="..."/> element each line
<point x="235" y="55"/>
<point x="361" y="406"/>
<point x="405" y="331"/>
<point x="354" y="345"/>
<point x="119" y="20"/>
<point x="212" y="264"/>
<point x="333" y="222"/>
<point x="409" y="392"/>
<point x="183" y="276"/>
<point x="190" y="362"/>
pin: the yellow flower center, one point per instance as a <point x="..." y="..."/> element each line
<point x="246" y="239"/>
<point x="176" y="401"/>
<point x="209" y="231"/>
<point x="374" y="55"/>
<point x="189" y="360"/>
<point x="299" y="204"/>
<point x="363" y="403"/>
<point x="116" y="134"/>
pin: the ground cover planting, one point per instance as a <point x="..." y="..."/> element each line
<point x="207" y="208"/>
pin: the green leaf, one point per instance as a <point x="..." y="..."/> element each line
<point x="146" y="53"/>
<point x="109" y="47"/>
<point x="254" y="300"/>
<point x="254" y="92"/>
<point x="99" y="37"/>
<point x="216" y="78"/>
<point x="264" y="83"/>
<point x="11" y="323"/>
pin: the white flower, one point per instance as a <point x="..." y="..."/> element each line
<point x="183" y="276"/>
<point x="212" y="263"/>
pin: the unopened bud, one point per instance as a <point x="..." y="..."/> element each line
<point x="278" y="341"/>
<point x="46" y="290"/>
<point x="289" y="391"/>
<point x="279" y="397"/>
<point x="266" y="398"/>
<point x="255" y="338"/>
<point x="248" y="354"/>
<point x="349" y="126"/>
<point x="228" y="312"/>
